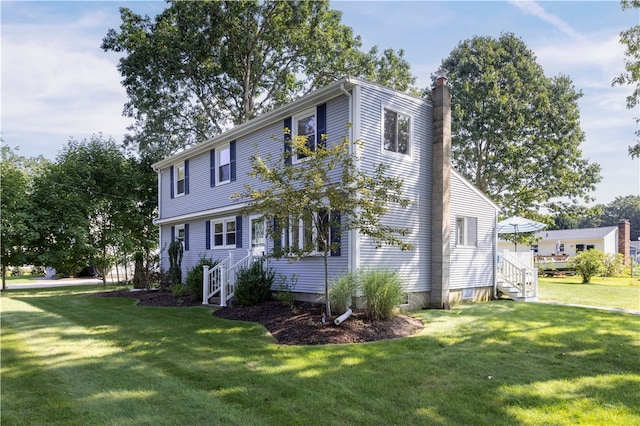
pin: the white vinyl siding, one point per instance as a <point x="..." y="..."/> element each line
<point x="472" y="263"/>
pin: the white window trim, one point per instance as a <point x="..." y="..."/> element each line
<point x="387" y="152"/>
<point x="219" y="164"/>
<point x="465" y="228"/>
<point x="176" y="174"/>
<point x="224" y="222"/>
<point x="294" y="130"/>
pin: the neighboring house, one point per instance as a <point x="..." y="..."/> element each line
<point x="634" y="250"/>
<point x="569" y="242"/>
<point x="451" y="224"/>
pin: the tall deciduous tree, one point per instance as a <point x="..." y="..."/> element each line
<point x="201" y="66"/>
<point x="631" y="38"/>
<point x="17" y="174"/>
<point x="516" y="133"/>
<point x="84" y="203"/>
<point x="314" y="203"/>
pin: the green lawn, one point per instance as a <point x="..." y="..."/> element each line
<point x="72" y="359"/>
<point x="623" y="293"/>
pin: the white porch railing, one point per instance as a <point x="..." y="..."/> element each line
<point x="221" y="279"/>
<point x="515" y="276"/>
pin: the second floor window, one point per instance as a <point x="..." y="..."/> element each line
<point x="224" y="165"/>
<point x="180" y="178"/>
<point x="396" y="132"/>
<point x="304" y="125"/>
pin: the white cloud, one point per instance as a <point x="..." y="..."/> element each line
<point x="57" y="82"/>
<point x="534" y="8"/>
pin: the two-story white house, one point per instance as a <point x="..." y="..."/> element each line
<point x="452" y="226"/>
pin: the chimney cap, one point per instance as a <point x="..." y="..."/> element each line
<point x="442" y="74"/>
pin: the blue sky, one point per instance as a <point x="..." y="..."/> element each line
<point x="57" y="83"/>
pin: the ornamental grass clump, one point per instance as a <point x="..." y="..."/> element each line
<point x="342" y="291"/>
<point x="382" y="292"/>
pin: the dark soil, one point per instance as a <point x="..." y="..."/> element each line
<point x="298" y="325"/>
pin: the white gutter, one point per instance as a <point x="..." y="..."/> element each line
<point x="201" y="214"/>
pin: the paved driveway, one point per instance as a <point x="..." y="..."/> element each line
<point x="48" y="282"/>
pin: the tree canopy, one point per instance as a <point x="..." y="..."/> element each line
<point x="516" y="133"/>
<point x="202" y="66"/>
<point x="93" y="204"/>
<point x="17" y="174"/>
<point x="631" y="76"/>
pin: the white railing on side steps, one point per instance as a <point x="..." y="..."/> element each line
<point x="221" y="279"/>
<point x="519" y="276"/>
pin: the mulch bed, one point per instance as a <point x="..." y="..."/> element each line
<point x="301" y="325"/>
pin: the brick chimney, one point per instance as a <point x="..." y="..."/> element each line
<point x="441" y="192"/>
<point x="624" y="240"/>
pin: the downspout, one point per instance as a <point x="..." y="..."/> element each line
<point x="159" y="173"/>
<point x="352" y="251"/>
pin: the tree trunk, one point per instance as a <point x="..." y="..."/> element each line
<point x="326" y="282"/>
<point x="4" y="275"/>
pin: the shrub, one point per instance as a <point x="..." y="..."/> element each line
<point x="589" y="263"/>
<point x="286" y="286"/>
<point x="342" y="291"/>
<point x="194" y="276"/>
<point x="253" y="284"/>
<point x="382" y="291"/>
<point x="179" y="290"/>
<point x="175" y="252"/>
<point x="613" y="265"/>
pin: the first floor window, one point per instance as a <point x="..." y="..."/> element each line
<point x="466" y="231"/>
<point x="396" y="132"/>
<point x="301" y="233"/>
<point x="180" y="234"/>
<point x="224" y="233"/>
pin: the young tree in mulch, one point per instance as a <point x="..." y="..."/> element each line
<point x="326" y="194"/>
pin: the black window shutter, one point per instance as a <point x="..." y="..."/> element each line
<point x="171" y="179"/>
<point x="336" y="231"/>
<point x="238" y="231"/>
<point x="207" y="233"/>
<point x="232" y="160"/>
<point x="186" y="177"/>
<point x="173" y="233"/>
<point x="321" y="127"/>
<point x="186" y="237"/>
<point x="212" y="161"/>
<point x="287" y="140"/>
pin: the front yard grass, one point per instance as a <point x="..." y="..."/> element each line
<point x="610" y="292"/>
<point x="72" y="359"/>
